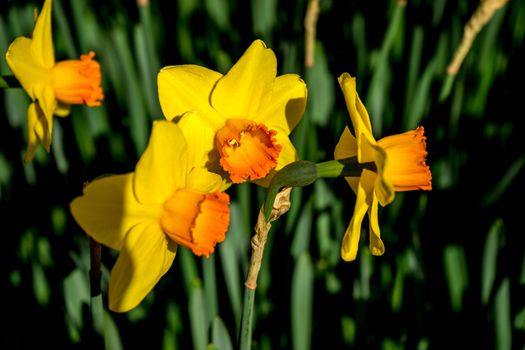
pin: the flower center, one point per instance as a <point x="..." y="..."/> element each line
<point x="78" y="81"/>
<point x="196" y="220"/>
<point x="248" y="150"/>
<point x="406" y="166"/>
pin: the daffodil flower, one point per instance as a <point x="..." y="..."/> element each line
<point x="248" y="112"/>
<point x="400" y="162"/>
<point x="53" y="87"/>
<point x="146" y="214"/>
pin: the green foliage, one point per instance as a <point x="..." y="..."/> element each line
<point x="454" y="256"/>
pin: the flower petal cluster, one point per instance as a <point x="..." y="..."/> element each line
<point x="400" y="162"/>
<point x="52" y="87"/>
<point x="248" y="113"/>
<point x="167" y="201"/>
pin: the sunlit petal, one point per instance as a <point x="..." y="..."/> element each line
<point x="203" y="180"/>
<point x="350" y="243"/>
<point x="200" y="137"/>
<point x="376" y="244"/>
<point x="163" y="165"/>
<point x="42" y="46"/>
<point x="248" y="85"/>
<point x="28" y="70"/>
<point x="359" y="117"/>
<point x="188" y="88"/>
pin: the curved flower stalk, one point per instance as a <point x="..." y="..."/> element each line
<point x="52" y="87"/>
<point x="400" y="162"/>
<point x="146" y="214"/>
<point x="247" y="113"/>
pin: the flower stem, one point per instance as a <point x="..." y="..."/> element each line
<point x="280" y="206"/>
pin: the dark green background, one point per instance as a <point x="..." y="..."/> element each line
<point x="453" y="274"/>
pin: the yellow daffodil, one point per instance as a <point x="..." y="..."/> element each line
<point x="400" y="162"/>
<point x="146" y="214"/>
<point x="51" y="86"/>
<point x="248" y="112"/>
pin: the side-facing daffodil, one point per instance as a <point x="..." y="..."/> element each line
<point x="400" y="162"/>
<point x="52" y="87"/>
<point x="249" y="112"/>
<point x="146" y="214"/>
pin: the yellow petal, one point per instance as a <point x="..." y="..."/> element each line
<point x="203" y="180"/>
<point x="188" y="88"/>
<point x="39" y="125"/>
<point x="47" y="102"/>
<point x="384" y="189"/>
<point x="248" y="85"/>
<point x="287" y="155"/>
<point x="288" y="152"/>
<point x="42" y="47"/>
<point x="62" y="109"/>
<point x="35" y="133"/>
<point x="287" y="105"/>
<point x="359" y="117"/>
<point x="353" y="232"/>
<point x="108" y="209"/>
<point x="146" y="255"/>
<point x="162" y="167"/>
<point x="365" y="198"/>
<point x="347" y="145"/>
<point x="200" y="138"/>
<point x="376" y="244"/>
<point x="28" y="70"/>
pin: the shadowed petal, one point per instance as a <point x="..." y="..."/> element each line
<point x="287" y="105"/>
<point x="36" y="129"/>
<point x="384" y="189"/>
<point x="146" y="255"/>
<point x="108" y="209"/>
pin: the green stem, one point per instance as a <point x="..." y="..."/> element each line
<point x="245" y="341"/>
<point x="346" y="167"/>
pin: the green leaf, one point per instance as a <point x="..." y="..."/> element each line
<point x="219" y="12"/>
<point x="199" y="329"/>
<point x="220" y="336"/>
<point x="502" y="318"/>
<point x="456" y="274"/>
<point x="321" y="88"/>
<point x="210" y="288"/>
<point x="301" y="302"/>
<point x="490" y="256"/>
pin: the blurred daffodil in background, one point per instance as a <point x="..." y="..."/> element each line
<point x="52" y="86"/>
<point x="248" y="112"/>
<point x="400" y="162"/>
<point x="146" y="214"/>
